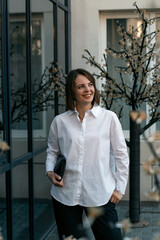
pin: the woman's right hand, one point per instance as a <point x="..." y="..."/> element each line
<point x="54" y="179"/>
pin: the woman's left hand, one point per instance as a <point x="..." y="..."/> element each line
<point x="116" y="197"/>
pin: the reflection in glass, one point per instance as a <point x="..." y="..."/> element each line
<point x="61" y="51"/>
<point x="112" y="42"/>
<point x="37" y="74"/>
<point x="21" y="202"/>
<point x="3" y="223"/>
<point x="61" y="38"/>
<point x="18" y="77"/>
<point x="43" y="205"/>
<point x="1" y="109"/>
<point x="18" y="74"/>
<point x="42" y="56"/>
<point x="38" y="84"/>
<point x="62" y="1"/>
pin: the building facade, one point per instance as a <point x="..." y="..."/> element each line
<point x="33" y="34"/>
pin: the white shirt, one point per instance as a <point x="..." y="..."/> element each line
<point x="89" y="179"/>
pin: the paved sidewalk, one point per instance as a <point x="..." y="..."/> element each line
<point x="43" y="218"/>
<point x="150" y="212"/>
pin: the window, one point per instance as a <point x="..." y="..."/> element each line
<point x="109" y="37"/>
<point x="18" y="75"/>
<point x="27" y="156"/>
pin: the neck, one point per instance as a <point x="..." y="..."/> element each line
<point x="83" y="109"/>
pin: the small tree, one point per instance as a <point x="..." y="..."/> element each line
<point x="138" y="83"/>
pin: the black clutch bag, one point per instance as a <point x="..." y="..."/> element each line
<point x="60" y="166"/>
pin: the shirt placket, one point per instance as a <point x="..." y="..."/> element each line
<point x="81" y="158"/>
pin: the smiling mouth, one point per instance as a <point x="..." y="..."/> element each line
<point x="87" y="95"/>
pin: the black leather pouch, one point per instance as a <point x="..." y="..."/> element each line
<point x="60" y="166"/>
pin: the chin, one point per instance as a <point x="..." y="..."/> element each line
<point x="88" y="102"/>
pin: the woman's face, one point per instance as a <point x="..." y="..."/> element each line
<point x="83" y="91"/>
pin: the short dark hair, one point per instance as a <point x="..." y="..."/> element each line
<point x="70" y="87"/>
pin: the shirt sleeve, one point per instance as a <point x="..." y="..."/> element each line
<point x="120" y="153"/>
<point x="53" y="147"/>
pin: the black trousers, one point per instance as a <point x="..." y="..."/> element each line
<point x="69" y="221"/>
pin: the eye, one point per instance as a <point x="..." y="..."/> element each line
<point x="80" y="86"/>
<point x="90" y="84"/>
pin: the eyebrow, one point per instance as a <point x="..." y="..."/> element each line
<point x="80" y="85"/>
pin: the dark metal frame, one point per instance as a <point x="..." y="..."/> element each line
<point x="7" y="164"/>
<point x="67" y="9"/>
<point x="7" y="112"/>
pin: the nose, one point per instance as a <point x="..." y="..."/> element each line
<point x="86" y="88"/>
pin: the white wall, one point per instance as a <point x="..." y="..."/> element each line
<point x="85" y="23"/>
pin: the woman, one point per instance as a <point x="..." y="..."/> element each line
<point x="86" y="135"/>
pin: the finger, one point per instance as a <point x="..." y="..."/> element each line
<point x="61" y="183"/>
<point x="58" y="184"/>
<point x="112" y="199"/>
<point x="58" y="178"/>
<point x="117" y="200"/>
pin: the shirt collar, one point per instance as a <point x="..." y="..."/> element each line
<point x="95" y="110"/>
